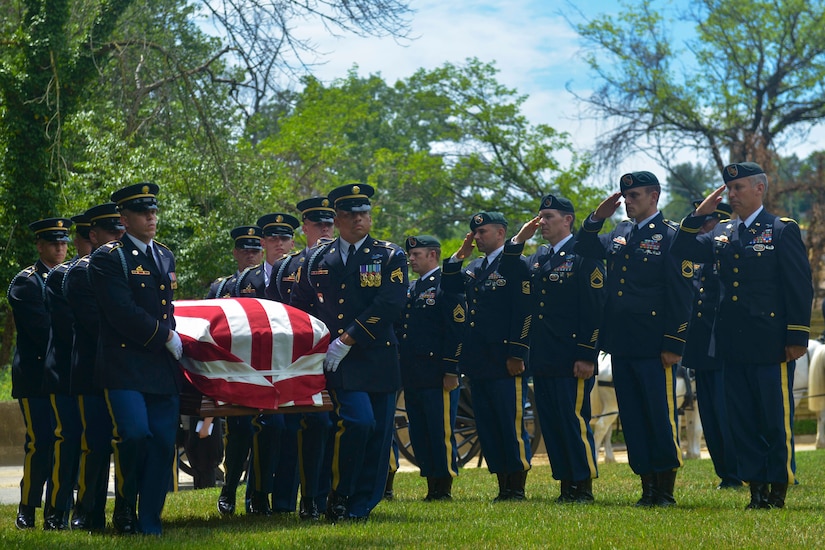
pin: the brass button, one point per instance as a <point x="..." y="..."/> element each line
<point x="340" y="315"/>
<point x="142" y="285"/>
<point x="699" y="302"/>
<point x="736" y="256"/>
<point x="543" y="291"/>
<point x="541" y="304"/>
<point x="735" y="284"/>
<point x="472" y="324"/>
<point x="734" y="298"/>
<point x="544" y="279"/>
<point x="340" y="300"/>
<point x="773" y="314"/>
<point x="165" y="316"/>
<point x="405" y="336"/>
<point x="163" y="287"/>
<point x="343" y="286"/>
<point x="621" y="281"/>
<point x="123" y="345"/>
<point x="163" y="302"/>
<point x="541" y="316"/>
<point x="699" y="314"/>
<point x="624" y="268"/>
<point x="406" y="325"/>
<point x="653" y="313"/>
<point x="627" y="256"/>
<point x="736" y="270"/>
<point x="619" y="293"/>
<point x="340" y="331"/>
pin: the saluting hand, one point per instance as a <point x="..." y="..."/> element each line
<point x="527" y="230"/>
<point x="467" y="247"/>
<point x="608" y="207"/>
<point x="710" y="203"/>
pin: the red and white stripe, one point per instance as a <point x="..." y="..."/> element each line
<point x="251" y="352"/>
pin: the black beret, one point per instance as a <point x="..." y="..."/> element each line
<point x="278" y="223"/>
<point x="52" y="229"/>
<point x="354" y="197"/>
<point x="483" y="218"/>
<point x="247" y="237"/>
<point x="105" y="216"/>
<point x="82" y="225"/>
<point x="723" y="210"/>
<point x="421" y="241"/>
<point x="739" y="170"/>
<point x="138" y="197"/>
<point x="637" y="179"/>
<point x="316" y="209"/>
<point x="556" y="203"/>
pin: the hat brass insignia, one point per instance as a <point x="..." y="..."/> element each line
<point x="356" y="189"/>
<point x="144" y="189"/>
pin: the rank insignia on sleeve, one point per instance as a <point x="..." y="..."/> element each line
<point x="687" y="269"/>
<point x="596" y="279"/>
<point x="397" y="275"/>
<point x="525" y="287"/>
<point x="458" y="314"/>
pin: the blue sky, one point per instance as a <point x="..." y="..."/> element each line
<point x="534" y="46"/>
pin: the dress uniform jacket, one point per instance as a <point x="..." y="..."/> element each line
<point x="363" y="298"/>
<point x="27" y="297"/>
<point x="649" y="290"/>
<point x="251" y="283"/>
<point x="432" y="330"/>
<point x="766" y="279"/>
<point x="568" y="303"/>
<point x="222" y="287"/>
<point x="285" y="271"/>
<point x="58" y="364"/>
<point x="498" y="303"/>
<point x="135" y="300"/>
<point x="86" y="319"/>
<point x="706" y="294"/>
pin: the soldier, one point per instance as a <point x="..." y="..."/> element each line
<point x="710" y="382"/>
<point x="432" y="330"/>
<point x="495" y="348"/>
<point x="93" y="481"/>
<point x="357" y="284"/>
<point x="303" y="442"/>
<point x="567" y="314"/>
<point x="247" y="252"/>
<point x="762" y="326"/>
<point x="645" y="324"/>
<point x="133" y="280"/>
<point x="279" y="231"/>
<point x="57" y="382"/>
<point x="27" y="298"/>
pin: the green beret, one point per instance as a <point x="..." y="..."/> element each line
<point x="421" y="241"/>
<point x="637" y="179"/>
<point x="483" y="218"/>
<point x="740" y="170"/>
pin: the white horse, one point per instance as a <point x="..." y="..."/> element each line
<point x="605" y="412"/>
<point x="809" y="381"/>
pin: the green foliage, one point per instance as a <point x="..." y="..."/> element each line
<point x="704" y="517"/>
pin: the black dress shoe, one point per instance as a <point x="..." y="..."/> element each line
<point x="55" y="520"/>
<point x="226" y="502"/>
<point x="308" y="510"/>
<point x="124" y="519"/>
<point x="258" y="504"/>
<point x="759" y="496"/>
<point x="25" y="517"/>
<point x="337" y="508"/>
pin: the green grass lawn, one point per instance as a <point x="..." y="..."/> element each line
<point x="704" y="518"/>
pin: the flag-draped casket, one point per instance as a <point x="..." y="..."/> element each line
<point x="251" y="352"/>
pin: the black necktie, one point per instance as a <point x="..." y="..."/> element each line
<point x="546" y="258"/>
<point x="484" y="263"/>
<point x="632" y="232"/>
<point x="351" y="252"/>
<point x="150" y="253"/>
<point x="743" y="233"/>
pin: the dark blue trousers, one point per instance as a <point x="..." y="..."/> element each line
<point x="236" y="449"/>
<point x="285" y="489"/>
<point x="498" y="405"/>
<point x="563" y="405"/>
<point x="761" y="411"/>
<point x="313" y="433"/>
<point x="96" y="450"/>
<point x="266" y="434"/>
<point x="67" y="432"/>
<point x="145" y="426"/>
<point x="432" y="412"/>
<point x="646" y="394"/>
<point x="38" y="448"/>
<point x="363" y="425"/>
<point x="710" y="397"/>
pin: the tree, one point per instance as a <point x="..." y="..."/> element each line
<point x="438" y="146"/>
<point x="753" y="73"/>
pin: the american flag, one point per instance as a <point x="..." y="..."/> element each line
<point x="251" y="352"/>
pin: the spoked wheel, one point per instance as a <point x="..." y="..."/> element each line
<point x="466" y="433"/>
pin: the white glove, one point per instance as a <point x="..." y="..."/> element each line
<point x="335" y="353"/>
<point x="175" y="346"/>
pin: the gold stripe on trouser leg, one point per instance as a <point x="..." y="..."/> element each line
<point x="256" y="455"/>
<point x="671" y="412"/>
<point x="26" y="484"/>
<point x="336" y="447"/>
<point x="786" y="407"/>
<point x="583" y="428"/>
<point x="58" y="444"/>
<point x="522" y="451"/>
<point x="115" y="436"/>
<point x="393" y="464"/>
<point x="84" y="450"/>
<point x="448" y="431"/>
